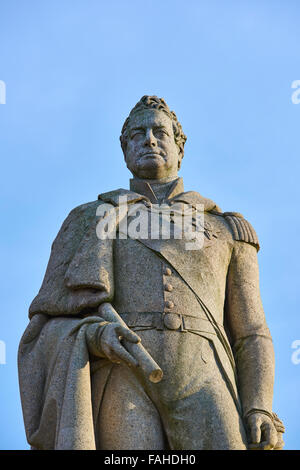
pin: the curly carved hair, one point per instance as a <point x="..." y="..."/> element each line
<point x="153" y="102"/>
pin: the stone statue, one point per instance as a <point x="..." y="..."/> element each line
<point x="136" y="342"/>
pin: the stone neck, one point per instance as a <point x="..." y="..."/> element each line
<point x="157" y="190"/>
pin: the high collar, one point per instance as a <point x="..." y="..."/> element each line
<point x="157" y="190"/>
<point x="138" y="192"/>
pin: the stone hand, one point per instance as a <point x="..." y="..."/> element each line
<point x="262" y="432"/>
<point x="106" y="341"/>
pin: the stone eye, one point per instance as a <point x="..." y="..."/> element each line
<point x="160" y="132"/>
<point x="137" y="134"/>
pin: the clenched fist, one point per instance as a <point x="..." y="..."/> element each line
<point x="105" y="340"/>
<point x="262" y="432"/>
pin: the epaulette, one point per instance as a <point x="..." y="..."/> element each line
<point x="241" y="229"/>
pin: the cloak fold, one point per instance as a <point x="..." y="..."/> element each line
<point x="55" y="383"/>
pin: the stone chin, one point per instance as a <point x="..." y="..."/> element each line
<point x="149" y="167"/>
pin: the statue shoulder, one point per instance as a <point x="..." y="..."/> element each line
<point x="81" y="216"/>
<point x="113" y="197"/>
<point x="76" y="222"/>
<point x="240" y="228"/>
<point x="83" y="209"/>
<point x="194" y="198"/>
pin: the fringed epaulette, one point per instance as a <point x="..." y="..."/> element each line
<point x="241" y="229"/>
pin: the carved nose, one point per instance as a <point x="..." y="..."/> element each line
<point x="150" y="140"/>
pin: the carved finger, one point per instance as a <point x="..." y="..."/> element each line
<point x="108" y="349"/>
<point x="118" y="353"/>
<point x="255" y="432"/>
<point x="128" y="334"/>
<point x="270" y="436"/>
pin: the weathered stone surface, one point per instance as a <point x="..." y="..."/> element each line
<point x="197" y="312"/>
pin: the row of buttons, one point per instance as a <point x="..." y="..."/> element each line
<point x="172" y="321"/>
<point x="168" y="288"/>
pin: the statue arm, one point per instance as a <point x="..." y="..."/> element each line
<point x="250" y="336"/>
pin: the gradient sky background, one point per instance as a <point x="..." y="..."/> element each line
<point x="74" y="69"/>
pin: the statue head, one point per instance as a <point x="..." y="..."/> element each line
<point x="152" y="139"/>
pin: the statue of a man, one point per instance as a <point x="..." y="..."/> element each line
<point x="196" y="312"/>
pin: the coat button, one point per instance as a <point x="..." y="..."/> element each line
<point x="167" y="272"/>
<point x="169" y="287"/>
<point x="172" y="321"/>
<point x="169" y="304"/>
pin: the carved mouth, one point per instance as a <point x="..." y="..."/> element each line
<point x="151" y="154"/>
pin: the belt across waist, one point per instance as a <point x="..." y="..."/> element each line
<point x="170" y="321"/>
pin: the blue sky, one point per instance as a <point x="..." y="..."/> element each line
<point x="74" y="69"/>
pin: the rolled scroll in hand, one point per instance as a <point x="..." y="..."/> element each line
<point x="151" y="369"/>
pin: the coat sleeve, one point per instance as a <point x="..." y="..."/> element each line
<point x="250" y="336"/>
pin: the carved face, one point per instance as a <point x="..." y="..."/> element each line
<point x="151" y="151"/>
